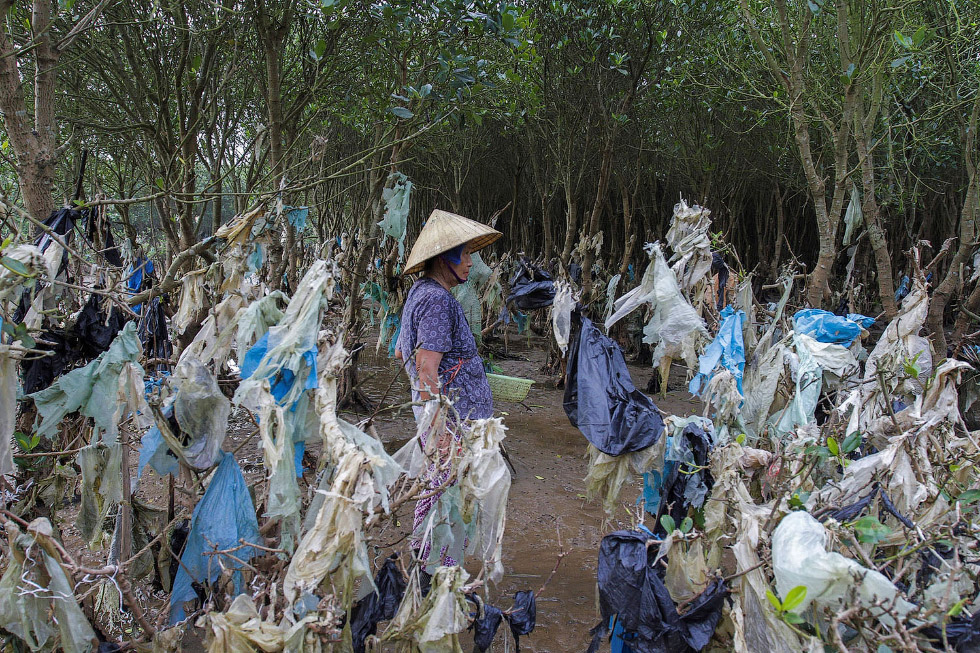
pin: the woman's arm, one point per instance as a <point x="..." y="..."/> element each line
<point x="427" y="366"/>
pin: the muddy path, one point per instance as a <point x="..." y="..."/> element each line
<point x="546" y="511"/>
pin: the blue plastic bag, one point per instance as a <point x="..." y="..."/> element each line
<point x="824" y="326"/>
<point x="224" y="516"/>
<point x="727" y="349"/>
<point x="282" y="381"/>
<point x="862" y="320"/>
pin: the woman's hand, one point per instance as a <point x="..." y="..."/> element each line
<point x="427" y="366"/>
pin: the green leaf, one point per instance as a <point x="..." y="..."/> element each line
<point x="969" y="496"/>
<point x="793" y="618"/>
<point x="15" y="266"/>
<point x="740" y="438"/>
<point x="774" y="601"/>
<point x="401" y="112"/>
<point x="160" y="183"/>
<point x="851" y="442"/>
<point x="896" y="63"/>
<point x="832" y="446"/>
<point x="196" y="63"/>
<point x="687" y="525"/>
<point x="871" y="531"/>
<point x="507" y="21"/>
<point x="319" y="49"/>
<point x="919" y="36"/>
<point x="794" y="598"/>
<point x="668" y="523"/>
<point x="958" y="608"/>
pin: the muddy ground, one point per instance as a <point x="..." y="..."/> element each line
<point x="546" y="513"/>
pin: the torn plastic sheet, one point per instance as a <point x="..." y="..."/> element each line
<point x="685" y="481"/>
<point x="8" y="408"/>
<point x="241" y="629"/>
<point x="12" y="284"/>
<point x="94" y="390"/>
<point x="276" y="432"/>
<point x="202" y="412"/>
<point x="101" y="486"/>
<point x="192" y="299"/>
<point x="435" y="624"/>
<point x="620" y="420"/>
<point x="485" y="485"/>
<point x="799" y="557"/>
<point x="688" y="238"/>
<point x="530" y="287"/>
<point x="853" y="216"/>
<point x="297" y="216"/>
<point x="561" y="313"/>
<point x="607" y="474"/>
<point x="675" y="326"/>
<point x="468" y="295"/>
<point x="610" y="297"/>
<point x="727" y="350"/>
<point x="380" y="605"/>
<point x="397" y="198"/>
<point x="37" y="601"/>
<point x="289" y="359"/>
<point x="809" y="382"/>
<point x="824" y="326"/>
<point x="632" y="589"/>
<point x="224" y="516"/>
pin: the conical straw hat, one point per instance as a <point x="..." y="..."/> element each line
<point x="442" y="232"/>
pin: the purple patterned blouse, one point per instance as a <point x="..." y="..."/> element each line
<point x="432" y="319"/>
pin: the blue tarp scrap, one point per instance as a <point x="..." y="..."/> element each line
<point x="903" y="288"/>
<point x="137" y="271"/>
<point x="727" y="350"/>
<point x="863" y="320"/>
<point x="824" y="326"/>
<point x="223" y="516"/>
<point x="155" y="452"/>
<point x="297" y="215"/>
<point x="282" y="381"/>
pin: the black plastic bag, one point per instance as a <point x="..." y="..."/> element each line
<point x="522" y="616"/>
<point x="633" y="590"/>
<point x="530" y="288"/>
<point x="681" y="486"/>
<point x="485" y="628"/>
<point x="719" y="267"/>
<point x="600" y="398"/>
<point x="153" y="331"/>
<point x="94" y="329"/>
<point x="377" y="606"/>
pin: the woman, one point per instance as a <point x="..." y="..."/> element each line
<point x="436" y="342"/>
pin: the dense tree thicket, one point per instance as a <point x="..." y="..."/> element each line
<point x="581" y="122"/>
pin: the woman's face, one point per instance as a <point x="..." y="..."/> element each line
<point x="462" y="269"/>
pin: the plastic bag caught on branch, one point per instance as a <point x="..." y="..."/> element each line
<point x="101" y="486"/>
<point x="674" y="325"/>
<point x="395" y="222"/>
<point x="435" y="624"/>
<point x="288" y="362"/>
<point x="561" y="313"/>
<point x="224" y="516"/>
<point x="94" y="390"/>
<point x="13" y="282"/>
<point x="799" y="557"/>
<point x="8" y="408"/>
<point x="192" y="299"/>
<point x="618" y="420"/>
<point x="688" y="238"/>
<point x="727" y="350"/>
<point x="37" y="601"/>
<point x="202" y="412"/>
<point x="485" y="485"/>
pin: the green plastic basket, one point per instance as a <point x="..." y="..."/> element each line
<point x="509" y="388"/>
